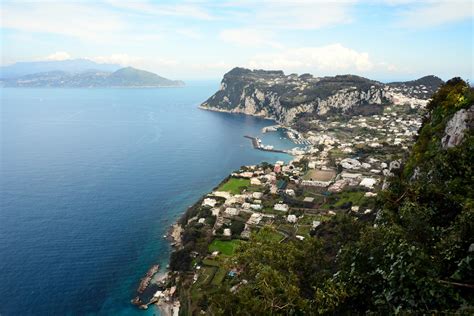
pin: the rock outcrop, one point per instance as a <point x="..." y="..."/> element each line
<point x="274" y="95"/>
<point x="456" y="127"/>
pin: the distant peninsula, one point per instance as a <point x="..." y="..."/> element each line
<point x="128" y="77"/>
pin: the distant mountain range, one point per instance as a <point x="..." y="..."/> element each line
<point x="92" y="78"/>
<point x="285" y="98"/>
<point x="72" y="66"/>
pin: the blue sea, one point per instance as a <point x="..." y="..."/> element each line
<point x="91" y="179"/>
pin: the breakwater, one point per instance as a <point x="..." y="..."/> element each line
<point x="257" y="144"/>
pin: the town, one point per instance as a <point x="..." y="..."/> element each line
<point x="339" y="164"/>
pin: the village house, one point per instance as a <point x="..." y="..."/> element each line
<point x="291" y="218"/>
<point x="231" y="211"/>
<point x="368" y="183"/>
<point x="281" y="207"/>
<point x="209" y="202"/>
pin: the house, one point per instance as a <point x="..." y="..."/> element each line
<point x="351" y="176"/>
<point x="277" y="169"/>
<point x="349" y="163"/>
<point x="316" y="183"/>
<point x="209" y="202"/>
<point x="215" y="212"/>
<point x="255" y="181"/>
<point x="227" y="232"/>
<point x="290" y="192"/>
<point x="368" y="183"/>
<point x="255" y="207"/>
<point x="316" y="224"/>
<point x="291" y="218"/>
<point x="201" y="220"/>
<point x="246" y="174"/>
<point x="337" y="186"/>
<point x="255" y="219"/>
<point x="246" y="206"/>
<point x="257" y="195"/>
<point x="222" y="194"/>
<point x="231" y="211"/>
<point x="308" y="199"/>
<point x="273" y="189"/>
<point x="281" y="207"/>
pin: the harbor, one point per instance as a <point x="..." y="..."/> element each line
<point x="257" y="144"/>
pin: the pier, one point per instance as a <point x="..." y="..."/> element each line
<point x="256" y="142"/>
<point x="146" y="280"/>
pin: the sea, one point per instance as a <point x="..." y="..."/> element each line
<point x="91" y="180"/>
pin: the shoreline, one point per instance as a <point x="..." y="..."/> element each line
<point x="242" y="113"/>
<point x="168" y="303"/>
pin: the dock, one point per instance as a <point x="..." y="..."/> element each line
<point x="256" y="143"/>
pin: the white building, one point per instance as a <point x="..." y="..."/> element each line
<point x="257" y="195"/>
<point x="291" y="218"/>
<point x="209" y="202"/>
<point x="231" y="211"/>
<point x="281" y="207"/>
<point x="368" y="182"/>
<point x="255" y="181"/>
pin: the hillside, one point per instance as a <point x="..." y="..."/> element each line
<point x="417" y="258"/>
<point x="124" y="77"/>
<point x="76" y="66"/>
<point x="378" y="229"/>
<point x="273" y="94"/>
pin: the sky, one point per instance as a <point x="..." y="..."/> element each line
<point x="193" y="39"/>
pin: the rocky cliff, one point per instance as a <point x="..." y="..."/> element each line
<point x="272" y="94"/>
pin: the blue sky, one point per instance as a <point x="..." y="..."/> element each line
<point x="384" y="40"/>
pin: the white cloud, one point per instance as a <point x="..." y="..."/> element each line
<point x="71" y="19"/>
<point x="85" y="21"/>
<point x="59" y="56"/>
<point x="121" y="59"/>
<point x="155" y="63"/>
<point x="188" y="10"/>
<point x="432" y="13"/>
<point x="290" y="14"/>
<point x="248" y="37"/>
<point x="334" y="58"/>
<point x="304" y="14"/>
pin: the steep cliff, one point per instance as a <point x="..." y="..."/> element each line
<point x="274" y="95"/>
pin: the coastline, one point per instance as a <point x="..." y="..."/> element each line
<point x="240" y="112"/>
<point x="168" y="279"/>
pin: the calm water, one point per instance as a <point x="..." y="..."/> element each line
<point x="92" y="179"/>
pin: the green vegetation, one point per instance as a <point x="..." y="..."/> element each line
<point x="219" y="276"/>
<point x="412" y="255"/>
<point x="273" y="236"/>
<point x="343" y="199"/>
<point x="234" y="185"/>
<point x="226" y="247"/>
<point x="415" y="260"/>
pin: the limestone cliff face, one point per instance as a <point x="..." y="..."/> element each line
<point x="274" y="95"/>
<point x="456" y="127"/>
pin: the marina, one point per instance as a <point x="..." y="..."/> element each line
<point x="257" y="144"/>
